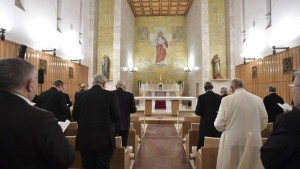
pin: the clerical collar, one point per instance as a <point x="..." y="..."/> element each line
<point x="25" y="99"/>
<point x="239" y="89"/>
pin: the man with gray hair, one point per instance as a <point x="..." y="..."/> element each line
<point x="30" y="136"/>
<point x="271" y="103"/>
<point x="241" y="118"/>
<point x="282" y="149"/>
<point x="224" y="91"/>
<point x="126" y="107"/>
<point x="96" y="112"/>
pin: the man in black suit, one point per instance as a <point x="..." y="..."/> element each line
<point x="270" y="102"/>
<point x="282" y="149"/>
<point x="126" y="107"/>
<point x="96" y="112"/>
<point x="207" y="107"/>
<point x="54" y="100"/>
<point x="83" y="87"/>
<point x="30" y="137"/>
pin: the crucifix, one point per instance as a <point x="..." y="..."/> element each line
<point x="160" y="78"/>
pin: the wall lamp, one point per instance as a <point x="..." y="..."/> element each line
<point x="134" y="69"/>
<point x="188" y="69"/>
<point x="2" y="36"/>
<point x="53" y="50"/>
<point x="245" y="59"/>
<point x="76" y="60"/>
<point x="274" y="49"/>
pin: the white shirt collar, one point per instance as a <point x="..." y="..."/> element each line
<point x="239" y="89"/>
<point x="25" y="99"/>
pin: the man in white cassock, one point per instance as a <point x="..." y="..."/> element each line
<point x="241" y="118"/>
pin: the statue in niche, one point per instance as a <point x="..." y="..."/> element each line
<point x="161" y="45"/>
<point x="216" y="67"/>
<point x="105" y="66"/>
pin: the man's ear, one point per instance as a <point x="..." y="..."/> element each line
<point x="30" y="85"/>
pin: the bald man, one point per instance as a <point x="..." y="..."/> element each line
<point x="30" y="137"/>
<point x="241" y="118"/>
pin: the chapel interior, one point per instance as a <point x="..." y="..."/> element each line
<point x="257" y="41"/>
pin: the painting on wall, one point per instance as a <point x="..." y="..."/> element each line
<point x="43" y="65"/>
<point x="143" y="33"/>
<point x="287" y="64"/>
<point x="178" y="33"/>
<point x="254" y="71"/>
<point x="71" y="72"/>
<point x="161" y="45"/>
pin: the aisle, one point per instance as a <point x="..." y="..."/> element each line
<point x="161" y="149"/>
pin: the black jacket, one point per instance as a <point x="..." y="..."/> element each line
<point x="96" y="112"/>
<point x="31" y="137"/>
<point x="270" y="102"/>
<point x="282" y="149"/>
<point x="126" y="107"/>
<point x="207" y="106"/>
<point x="53" y="101"/>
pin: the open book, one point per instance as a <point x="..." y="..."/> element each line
<point x="285" y="106"/>
<point x="64" y="125"/>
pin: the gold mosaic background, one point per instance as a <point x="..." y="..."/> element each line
<point x="217" y="33"/>
<point x="174" y="30"/>
<point x="105" y="34"/>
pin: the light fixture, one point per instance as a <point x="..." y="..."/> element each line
<point x="188" y="69"/>
<point x="76" y="60"/>
<point x="2" y="33"/>
<point x="245" y="59"/>
<point x="133" y="69"/>
<point x="274" y="49"/>
<point x="125" y="69"/>
<point x="51" y="50"/>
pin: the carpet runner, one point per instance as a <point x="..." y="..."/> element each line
<point x="161" y="149"/>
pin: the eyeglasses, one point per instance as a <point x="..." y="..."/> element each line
<point x="294" y="85"/>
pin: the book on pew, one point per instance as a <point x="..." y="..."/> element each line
<point x="64" y="125"/>
<point x="285" y="106"/>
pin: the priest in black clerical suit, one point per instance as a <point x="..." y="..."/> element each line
<point x="270" y="102"/>
<point x="207" y="107"/>
<point x="30" y="137"/>
<point x="54" y="100"/>
<point x="96" y="112"/>
<point x="126" y="107"/>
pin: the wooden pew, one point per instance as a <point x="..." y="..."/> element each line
<point x="186" y="124"/>
<point x="72" y="129"/>
<point x="267" y="131"/>
<point x="133" y="140"/>
<point x="206" y="157"/>
<point x="137" y="125"/>
<point x="121" y="157"/>
<point x="192" y="137"/>
<point x="77" y="162"/>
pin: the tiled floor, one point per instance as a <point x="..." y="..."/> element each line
<point x="161" y="148"/>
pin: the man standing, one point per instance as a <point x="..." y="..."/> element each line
<point x="242" y="116"/>
<point x="207" y="107"/>
<point x="83" y="87"/>
<point x="54" y="100"/>
<point x="126" y="107"/>
<point x="96" y="112"/>
<point x="282" y="149"/>
<point x="30" y="137"/>
<point x="271" y="105"/>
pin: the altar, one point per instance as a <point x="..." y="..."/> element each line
<point x="175" y="100"/>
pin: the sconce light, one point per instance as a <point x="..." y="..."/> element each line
<point x="187" y="69"/>
<point x="2" y="33"/>
<point x="76" y="60"/>
<point x="134" y="69"/>
<point x="245" y="59"/>
<point x="53" y="50"/>
<point x="274" y="49"/>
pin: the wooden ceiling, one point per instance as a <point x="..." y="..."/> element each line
<point x="160" y="7"/>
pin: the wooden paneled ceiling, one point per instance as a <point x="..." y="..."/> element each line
<point x="160" y="7"/>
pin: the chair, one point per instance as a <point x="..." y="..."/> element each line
<point x="192" y="137"/>
<point x="72" y="129"/>
<point x="267" y="131"/>
<point x="77" y="162"/>
<point x="186" y="124"/>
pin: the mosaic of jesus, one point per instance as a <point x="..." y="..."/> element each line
<point x="161" y="46"/>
